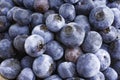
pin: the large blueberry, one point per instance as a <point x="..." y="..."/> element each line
<point x="34" y="45"/>
<point x="92" y="44"/>
<point x="88" y="65"/>
<point x="43" y="66"/>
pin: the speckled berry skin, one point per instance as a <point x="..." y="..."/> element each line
<point x="92" y="44"/>
<point x="53" y="77"/>
<point x="104" y="58"/>
<point x="55" y="22"/>
<point x="72" y="35"/>
<point x="66" y="70"/>
<point x="43" y="31"/>
<point x="101" y="17"/>
<point x="88" y="65"/>
<point x="23" y="74"/>
<point x="43" y="66"/>
<point x="72" y="54"/>
<point x="10" y="68"/>
<point x="6" y="49"/>
<point x="34" y="45"/>
<point x="110" y="74"/>
<point x="55" y="50"/>
<point x="67" y="10"/>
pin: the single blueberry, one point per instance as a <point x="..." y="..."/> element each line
<point x="53" y="77"/>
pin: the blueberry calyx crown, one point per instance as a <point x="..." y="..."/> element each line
<point x="69" y="30"/>
<point x="100" y="15"/>
<point x="57" y="17"/>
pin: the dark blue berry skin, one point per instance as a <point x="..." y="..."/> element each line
<point x="20" y="39"/>
<point x="115" y="49"/>
<point x="36" y="19"/>
<point x="17" y="29"/>
<point x="28" y="4"/>
<point x="92" y="44"/>
<point x="55" y="4"/>
<point x="47" y="13"/>
<point x="104" y="58"/>
<point x="116" y="22"/>
<point x="4" y="11"/>
<point x="44" y="32"/>
<point x="88" y="65"/>
<point x="110" y="74"/>
<point x="66" y="70"/>
<point x="114" y="4"/>
<point x="72" y="35"/>
<point x="10" y="13"/>
<point x="109" y="34"/>
<point x="43" y="66"/>
<point x="10" y="68"/>
<point x="8" y="1"/>
<point x="67" y="10"/>
<point x="22" y="16"/>
<point x="98" y="3"/>
<point x="84" y="6"/>
<point x="41" y="5"/>
<point x="34" y="45"/>
<point x="55" y="50"/>
<point x="71" y="1"/>
<point x="18" y="2"/>
<point x="27" y="61"/>
<point x="101" y="17"/>
<point x="105" y="47"/>
<point x="55" y="22"/>
<point x="83" y="22"/>
<point x="4" y="23"/>
<point x="98" y="76"/>
<point x="75" y="78"/>
<point x="6" y="49"/>
<point x="23" y="74"/>
<point x="53" y="77"/>
<point x="116" y="67"/>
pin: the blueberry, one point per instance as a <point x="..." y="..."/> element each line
<point x="114" y="4"/>
<point x="6" y="3"/>
<point x="4" y="23"/>
<point x="44" y="32"/>
<point x="71" y="1"/>
<point x="109" y="34"/>
<point x="67" y="11"/>
<point x="66" y="70"/>
<point x="23" y="74"/>
<point x="10" y="68"/>
<point x="88" y="65"/>
<point x="28" y="4"/>
<point x="27" y="61"/>
<point x="22" y="16"/>
<point x="17" y="29"/>
<point x="114" y="49"/>
<point x="84" y="7"/>
<point x="55" y="50"/>
<point x="20" y="39"/>
<point x="110" y="74"/>
<point x="98" y="76"/>
<point x="83" y="22"/>
<point x="91" y="44"/>
<point x="72" y="35"/>
<point x="4" y="11"/>
<point x="43" y="66"/>
<point x="10" y="13"/>
<point x="72" y="54"/>
<point x="34" y="45"/>
<point x="55" y="4"/>
<point x="104" y="58"/>
<point x="6" y="49"/>
<point x="101" y="17"/>
<point x="105" y="47"/>
<point x="98" y="3"/>
<point x="55" y="22"/>
<point x="116" y="22"/>
<point x="41" y="6"/>
<point x="36" y="19"/>
<point x="53" y="77"/>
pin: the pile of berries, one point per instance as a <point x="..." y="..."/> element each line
<point x="59" y="39"/>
